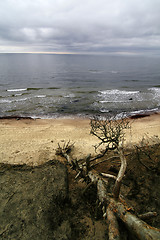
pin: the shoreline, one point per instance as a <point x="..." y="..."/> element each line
<point x="132" y="115"/>
<point x="34" y="141"/>
<point x="118" y="115"/>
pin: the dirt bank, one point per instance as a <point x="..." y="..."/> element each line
<point x="46" y="202"/>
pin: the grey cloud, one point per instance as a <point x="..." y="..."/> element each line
<point x="87" y="25"/>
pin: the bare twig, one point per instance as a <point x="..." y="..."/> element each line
<point x="65" y="150"/>
<point x="104" y="160"/>
<point x="108" y="175"/>
<point x="138" y="153"/>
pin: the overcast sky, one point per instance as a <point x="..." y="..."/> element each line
<point x="80" y="26"/>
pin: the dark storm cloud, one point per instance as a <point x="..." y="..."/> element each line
<point x="79" y="26"/>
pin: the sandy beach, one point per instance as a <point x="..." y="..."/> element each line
<point x="34" y="141"/>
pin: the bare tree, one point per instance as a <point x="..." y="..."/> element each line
<point x="111" y="134"/>
<point x="109" y="131"/>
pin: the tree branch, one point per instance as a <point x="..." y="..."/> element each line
<point x="120" y="176"/>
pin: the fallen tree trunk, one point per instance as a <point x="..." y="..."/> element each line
<point x="113" y="229"/>
<point x="136" y="226"/>
<point x="116" y="207"/>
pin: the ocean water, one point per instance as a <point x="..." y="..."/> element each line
<point x="48" y="86"/>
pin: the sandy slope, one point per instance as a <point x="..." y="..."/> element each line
<point x="34" y="141"/>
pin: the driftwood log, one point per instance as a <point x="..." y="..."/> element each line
<point x="113" y="204"/>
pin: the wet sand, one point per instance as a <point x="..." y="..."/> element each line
<point x="34" y="141"/>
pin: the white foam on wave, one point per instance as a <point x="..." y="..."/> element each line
<point x="104" y="110"/>
<point x="155" y="90"/>
<point x="18" y="94"/>
<point x="107" y="101"/>
<point x="21" y="99"/>
<point x="5" y="101"/>
<point x="119" y="96"/>
<point x="17" y="90"/>
<point x="120" y="116"/>
<point x="41" y="96"/>
<point x="119" y="92"/>
<point x="71" y="95"/>
<point x="13" y="100"/>
<point x="156" y="94"/>
<point x="121" y="101"/>
<point x="144" y="111"/>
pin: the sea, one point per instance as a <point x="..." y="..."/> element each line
<point x="70" y="85"/>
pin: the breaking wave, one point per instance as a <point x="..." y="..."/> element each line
<point x="16" y="90"/>
<point x="119" y="92"/>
